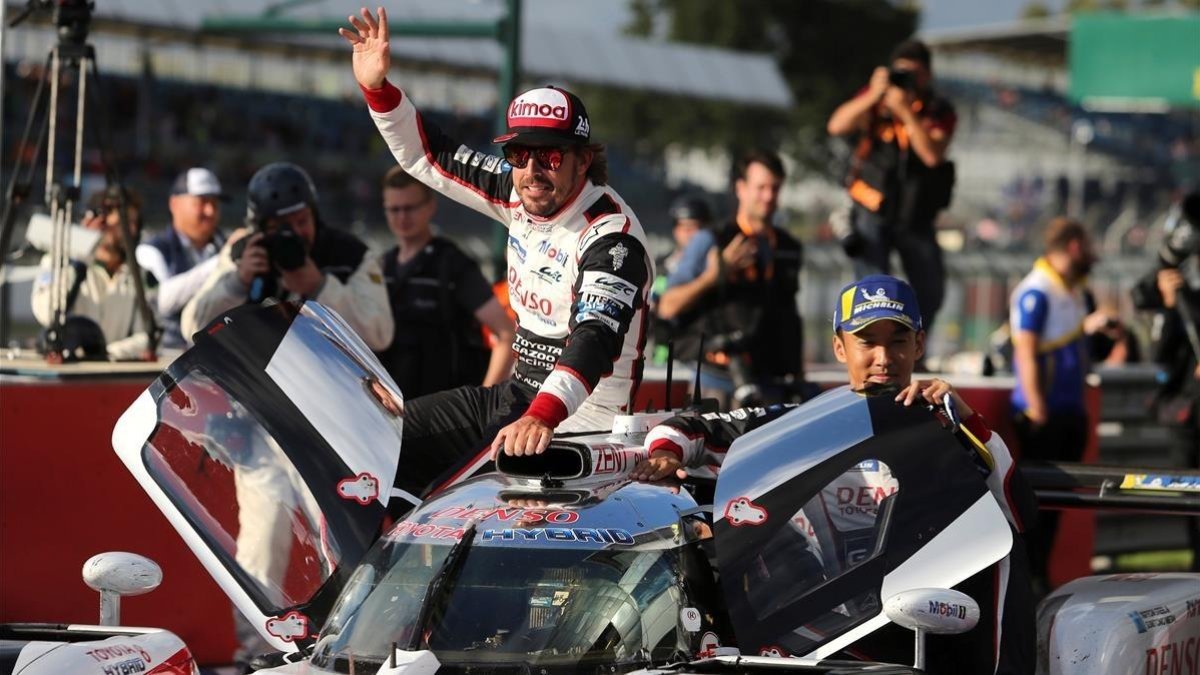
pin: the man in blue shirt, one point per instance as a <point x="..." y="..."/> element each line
<point x="1050" y="323"/>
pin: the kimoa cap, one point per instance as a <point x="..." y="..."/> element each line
<point x="876" y="298"/>
<point x="546" y="116"/>
<point x="199" y="182"/>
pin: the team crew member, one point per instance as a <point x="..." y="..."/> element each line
<point x="578" y="272"/>
<point x="880" y="343"/>
<point x="439" y="299"/>
<point x="186" y="253"/>
<point x="288" y="252"/>
<point x="1050" y="324"/>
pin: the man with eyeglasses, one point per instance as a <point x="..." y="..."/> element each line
<point x="578" y="272"/>
<point x="439" y="300"/>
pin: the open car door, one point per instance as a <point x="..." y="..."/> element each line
<point x="823" y="514"/>
<point x="271" y="446"/>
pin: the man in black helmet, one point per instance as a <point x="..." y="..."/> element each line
<point x="286" y="252"/>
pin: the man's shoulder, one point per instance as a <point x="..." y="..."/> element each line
<point x="334" y="247"/>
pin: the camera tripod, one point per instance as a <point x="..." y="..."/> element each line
<point x="71" y="55"/>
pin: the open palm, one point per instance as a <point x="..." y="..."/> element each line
<point x="371" y="51"/>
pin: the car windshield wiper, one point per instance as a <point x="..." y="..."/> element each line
<point x="438" y="590"/>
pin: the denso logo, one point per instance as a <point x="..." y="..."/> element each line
<point x="547" y="104"/>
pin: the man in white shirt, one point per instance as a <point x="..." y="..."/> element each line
<point x="182" y="257"/>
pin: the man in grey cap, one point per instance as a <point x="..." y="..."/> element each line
<point x="184" y="255"/>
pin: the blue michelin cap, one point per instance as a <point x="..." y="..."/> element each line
<point x="876" y="298"/>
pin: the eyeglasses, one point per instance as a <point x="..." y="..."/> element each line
<point x="549" y="158"/>
<point x="405" y="209"/>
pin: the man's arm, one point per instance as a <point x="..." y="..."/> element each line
<point x="681" y="296"/>
<point x="500" y="366"/>
<point x="363" y="302"/>
<point x="475" y="179"/>
<point x="175" y="292"/>
<point x="851" y="116"/>
<point x="222" y="291"/>
<point x="1006" y="484"/>
<point x="613" y="284"/>
<point x="1028" y="319"/>
<point x="694" y="441"/>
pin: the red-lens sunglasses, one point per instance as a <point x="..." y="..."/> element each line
<point x="549" y="158"/>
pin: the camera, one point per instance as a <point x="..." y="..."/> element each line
<point x="1182" y="229"/>
<point x="285" y="249"/>
<point x="1181" y="241"/>
<point x="905" y="79"/>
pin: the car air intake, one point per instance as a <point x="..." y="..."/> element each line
<point x="560" y="461"/>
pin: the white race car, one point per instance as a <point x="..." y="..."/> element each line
<point x="271" y="447"/>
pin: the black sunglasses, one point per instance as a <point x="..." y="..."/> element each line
<point x="549" y="158"/>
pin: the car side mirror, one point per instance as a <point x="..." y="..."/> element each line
<point x="115" y="574"/>
<point x="931" y="610"/>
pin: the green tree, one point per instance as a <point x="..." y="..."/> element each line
<point x="1036" y="9"/>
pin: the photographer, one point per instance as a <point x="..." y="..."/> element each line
<point x="102" y="289"/>
<point x="287" y="252"/>
<point x="899" y="177"/>
<point x="736" y="285"/>
<point x="1172" y="293"/>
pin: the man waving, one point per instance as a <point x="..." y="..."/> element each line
<point x="578" y="272"/>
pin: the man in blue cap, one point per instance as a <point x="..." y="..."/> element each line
<point x="878" y="334"/>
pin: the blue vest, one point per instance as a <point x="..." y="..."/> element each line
<point x="170" y="245"/>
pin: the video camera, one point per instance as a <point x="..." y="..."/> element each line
<point x="72" y="18"/>
<point x="1182" y="229"/>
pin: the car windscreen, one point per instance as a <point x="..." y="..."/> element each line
<point x="554" y="609"/>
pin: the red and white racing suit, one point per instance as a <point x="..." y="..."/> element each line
<point x="579" y="280"/>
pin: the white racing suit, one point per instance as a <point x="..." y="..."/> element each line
<point x="578" y="280"/>
<point x="109" y="300"/>
<point x="1003" y="642"/>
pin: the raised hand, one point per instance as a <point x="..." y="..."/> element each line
<point x="372" y="53"/>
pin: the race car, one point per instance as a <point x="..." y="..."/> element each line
<point x="105" y="648"/>
<point x="272" y="446"/>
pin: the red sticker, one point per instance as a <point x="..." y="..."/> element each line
<point x="363" y="488"/>
<point x="773" y="651"/>
<point x="289" y="627"/>
<point x="742" y="511"/>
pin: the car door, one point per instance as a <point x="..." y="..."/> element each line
<point x="271" y="446"/>
<point x="827" y="511"/>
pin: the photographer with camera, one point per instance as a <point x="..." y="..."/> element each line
<point x="287" y="252"/>
<point x="1173" y="293"/>
<point x="899" y="178"/>
<point x="100" y="290"/>
<point x="737" y="287"/>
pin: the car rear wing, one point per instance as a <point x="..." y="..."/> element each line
<point x="1068" y="485"/>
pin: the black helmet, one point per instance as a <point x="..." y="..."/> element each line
<point x="278" y="189"/>
<point x="79" y="339"/>
<point x="691" y="207"/>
